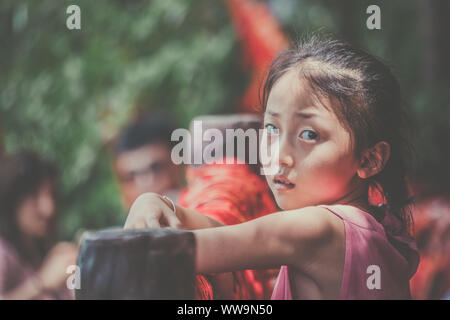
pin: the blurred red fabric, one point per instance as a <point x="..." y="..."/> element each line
<point x="231" y="194"/>
<point x="262" y="39"/>
<point x="432" y="232"/>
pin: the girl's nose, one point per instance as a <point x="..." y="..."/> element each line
<point x="286" y="157"/>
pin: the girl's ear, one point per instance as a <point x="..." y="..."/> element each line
<point x="374" y="159"/>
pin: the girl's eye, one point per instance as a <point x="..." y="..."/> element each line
<point x="309" y="135"/>
<point x="271" y="129"/>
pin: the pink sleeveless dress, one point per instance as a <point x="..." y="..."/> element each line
<point x="379" y="260"/>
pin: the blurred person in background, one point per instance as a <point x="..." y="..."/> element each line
<point x="32" y="264"/>
<point x="142" y="161"/>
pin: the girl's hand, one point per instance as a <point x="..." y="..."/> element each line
<point x="150" y="210"/>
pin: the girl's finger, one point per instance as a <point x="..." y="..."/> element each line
<point x="128" y="225"/>
<point x="140" y="224"/>
<point x="152" y="222"/>
<point x="172" y="218"/>
<point x="174" y="222"/>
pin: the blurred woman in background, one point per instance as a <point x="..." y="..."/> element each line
<point x="32" y="266"/>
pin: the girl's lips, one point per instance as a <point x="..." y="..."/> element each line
<point x="282" y="183"/>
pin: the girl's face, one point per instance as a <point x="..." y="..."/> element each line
<point x="316" y="161"/>
<point x="36" y="212"/>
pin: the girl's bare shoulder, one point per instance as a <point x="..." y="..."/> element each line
<point x="311" y="231"/>
<point x="313" y="221"/>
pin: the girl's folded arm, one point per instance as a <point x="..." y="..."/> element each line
<point x="285" y="238"/>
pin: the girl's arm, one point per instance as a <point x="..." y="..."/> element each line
<point x="150" y="210"/>
<point x="293" y="237"/>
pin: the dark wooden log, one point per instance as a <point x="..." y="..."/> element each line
<point x="137" y="264"/>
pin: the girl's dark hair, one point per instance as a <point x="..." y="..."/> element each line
<point x="368" y="104"/>
<point x="21" y="175"/>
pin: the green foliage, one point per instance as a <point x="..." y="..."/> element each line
<point x="65" y="93"/>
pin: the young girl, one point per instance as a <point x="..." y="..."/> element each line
<point x="32" y="264"/>
<point x="335" y="112"/>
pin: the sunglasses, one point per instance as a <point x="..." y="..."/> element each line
<point x="156" y="168"/>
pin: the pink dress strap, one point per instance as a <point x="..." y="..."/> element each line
<point x="282" y="285"/>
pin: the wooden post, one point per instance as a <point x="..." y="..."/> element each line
<point x="137" y="264"/>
